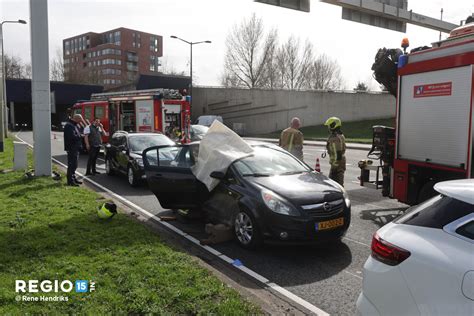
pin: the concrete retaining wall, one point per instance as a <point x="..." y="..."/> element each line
<point x="264" y="111"/>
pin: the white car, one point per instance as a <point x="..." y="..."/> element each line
<point x="423" y="262"/>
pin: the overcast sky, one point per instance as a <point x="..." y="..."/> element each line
<point x="353" y="45"/>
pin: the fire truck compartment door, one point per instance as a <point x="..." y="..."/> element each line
<point x="172" y="108"/>
<point x="434" y="116"/>
<point x="144" y="110"/>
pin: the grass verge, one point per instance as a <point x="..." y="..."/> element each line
<point x="51" y="232"/>
<point x="355" y="132"/>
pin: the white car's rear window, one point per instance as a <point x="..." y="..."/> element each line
<point x="436" y="212"/>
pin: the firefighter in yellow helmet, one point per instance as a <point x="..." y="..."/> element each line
<point x="107" y="210"/>
<point x="336" y="147"/>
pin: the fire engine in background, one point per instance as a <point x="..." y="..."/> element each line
<point x="433" y="138"/>
<point x="155" y="110"/>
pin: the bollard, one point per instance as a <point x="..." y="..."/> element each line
<point x="20" y="161"/>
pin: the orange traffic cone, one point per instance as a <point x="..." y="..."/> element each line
<point x="317" y="167"/>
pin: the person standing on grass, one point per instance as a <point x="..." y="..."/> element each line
<point x="93" y="139"/>
<point x="291" y="139"/>
<point x="72" y="145"/>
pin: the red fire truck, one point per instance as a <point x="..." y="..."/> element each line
<point x="433" y="138"/>
<point x="155" y="110"/>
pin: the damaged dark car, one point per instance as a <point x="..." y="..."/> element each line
<point x="268" y="195"/>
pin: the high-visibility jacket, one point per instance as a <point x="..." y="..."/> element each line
<point x="107" y="210"/>
<point x="292" y="139"/>
<point x="336" y="147"/>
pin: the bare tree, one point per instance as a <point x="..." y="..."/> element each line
<point x="361" y="86"/>
<point x="14" y="67"/>
<point x="28" y="71"/>
<point x="295" y="63"/>
<point x="324" y="74"/>
<point x="168" y="68"/>
<point x="271" y="74"/>
<point x="56" y="67"/>
<point x="248" y="49"/>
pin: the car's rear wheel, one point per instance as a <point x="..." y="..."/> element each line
<point x="246" y="230"/>
<point x="131" y="176"/>
<point x="109" y="170"/>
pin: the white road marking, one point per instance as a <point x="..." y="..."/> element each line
<point x="354" y="275"/>
<point x="223" y="257"/>
<point x="297" y="299"/>
<point x="356" y="241"/>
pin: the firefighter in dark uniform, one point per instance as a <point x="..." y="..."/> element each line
<point x="336" y="147"/>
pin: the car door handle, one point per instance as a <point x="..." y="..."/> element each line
<point x="158" y="175"/>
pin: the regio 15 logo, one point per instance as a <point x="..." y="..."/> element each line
<point x="55" y="286"/>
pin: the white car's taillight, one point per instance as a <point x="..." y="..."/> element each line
<point x="386" y="252"/>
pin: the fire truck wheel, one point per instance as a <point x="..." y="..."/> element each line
<point x="426" y="192"/>
<point x="131" y="176"/>
<point x="108" y="167"/>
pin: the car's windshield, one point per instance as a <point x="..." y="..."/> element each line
<point x="138" y="143"/>
<point x="199" y="129"/>
<point x="268" y="162"/>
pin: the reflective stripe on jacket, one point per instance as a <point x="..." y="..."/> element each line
<point x="336" y="147"/>
<point x="292" y="140"/>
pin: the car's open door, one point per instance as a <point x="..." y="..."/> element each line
<point x="169" y="176"/>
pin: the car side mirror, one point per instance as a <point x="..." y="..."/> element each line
<point x="217" y="175"/>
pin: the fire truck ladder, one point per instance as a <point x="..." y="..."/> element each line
<point x="166" y="93"/>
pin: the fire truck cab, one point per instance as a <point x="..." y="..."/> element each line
<point x="433" y="137"/>
<point x="156" y="110"/>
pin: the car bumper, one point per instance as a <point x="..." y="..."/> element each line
<point x="365" y="307"/>
<point x="384" y="287"/>
<point x="287" y="228"/>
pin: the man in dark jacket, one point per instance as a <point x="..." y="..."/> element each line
<point x="72" y="145"/>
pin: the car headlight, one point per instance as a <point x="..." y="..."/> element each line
<point x="139" y="161"/>
<point x="344" y="192"/>
<point x="346" y="197"/>
<point x="277" y="204"/>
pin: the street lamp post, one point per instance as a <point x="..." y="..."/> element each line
<point x="3" y="106"/>
<point x="191" y="44"/>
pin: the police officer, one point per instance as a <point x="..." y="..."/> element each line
<point x="292" y="139"/>
<point x="336" y="147"/>
<point x="93" y="140"/>
<point x="72" y="145"/>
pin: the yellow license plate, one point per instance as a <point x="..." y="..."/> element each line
<point x="330" y="224"/>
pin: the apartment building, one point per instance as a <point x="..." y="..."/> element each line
<point x="111" y="58"/>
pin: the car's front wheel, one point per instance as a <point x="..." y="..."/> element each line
<point x="246" y="230"/>
<point x="109" y="170"/>
<point x="132" y="177"/>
